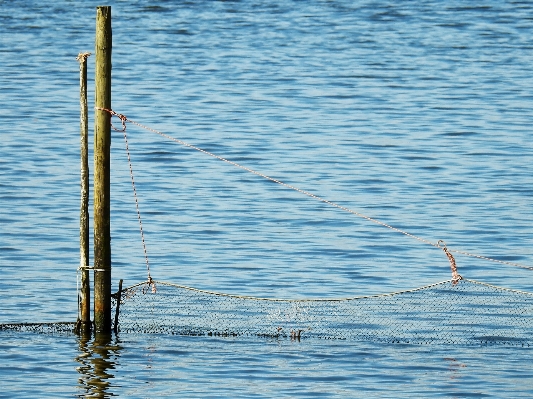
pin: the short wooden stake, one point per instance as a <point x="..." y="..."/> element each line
<point x="85" y="292"/>
<point x="117" y="310"/>
<point x="102" y="145"/>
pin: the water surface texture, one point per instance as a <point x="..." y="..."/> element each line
<point x="416" y="114"/>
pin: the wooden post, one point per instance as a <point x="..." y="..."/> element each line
<point x="117" y="310"/>
<point x="85" y="293"/>
<point x="102" y="145"/>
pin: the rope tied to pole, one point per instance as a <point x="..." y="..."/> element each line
<point x="122" y="118"/>
<point x="82" y="57"/>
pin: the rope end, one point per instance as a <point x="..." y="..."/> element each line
<point x="456" y="277"/>
<point x="82" y="57"/>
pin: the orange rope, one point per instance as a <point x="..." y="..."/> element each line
<point x="455" y="276"/>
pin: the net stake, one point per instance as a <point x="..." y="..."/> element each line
<point x="102" y="144"/>
<point x="119" y="298"/>
<point x="83" y="324"/>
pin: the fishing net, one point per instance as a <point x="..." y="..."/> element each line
<point x="450" y="312"/>
<point x="45" y="328"/>
<point x="458" y="311"/>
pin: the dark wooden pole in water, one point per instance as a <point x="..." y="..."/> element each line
<point x="117" y="311"/>
<point x="85" y="294"/>
<point x="102" y="145"/>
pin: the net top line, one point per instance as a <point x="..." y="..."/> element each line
<point x="151" y="282"/>
<point x="439" y="244"/>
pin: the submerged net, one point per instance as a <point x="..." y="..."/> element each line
<point x="458" y="311"/>
<point x="463" y="312"/>
<point x="65" y="327"/>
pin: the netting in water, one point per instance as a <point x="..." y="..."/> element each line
<point x="45" y="328"/>
<point x="457" y="311"/>
<point x="464" y="312"/>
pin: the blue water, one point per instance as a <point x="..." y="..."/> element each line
<point x="415" y="114"/>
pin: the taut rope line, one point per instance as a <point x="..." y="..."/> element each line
<point x="124" y="119"/>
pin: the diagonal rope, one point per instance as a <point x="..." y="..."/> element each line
<point x="447" y="251"/>
<point x="123" y="130"/>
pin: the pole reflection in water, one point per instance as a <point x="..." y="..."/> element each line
<point x="97" y="358"/>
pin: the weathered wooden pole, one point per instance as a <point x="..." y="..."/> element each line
<point x="102" y="145"/>
<point x="84" y="320"/>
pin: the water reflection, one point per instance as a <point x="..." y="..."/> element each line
<point x="455" y="368"/>
<point x="97" y="358"/>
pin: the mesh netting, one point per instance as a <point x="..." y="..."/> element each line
<point x="46" y="328"/>
<point x="465" y="312"/>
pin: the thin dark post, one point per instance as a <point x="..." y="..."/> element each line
<point x="102" y="145"/>
<point x="85" y="293"/>
<point x="119" y="298"/>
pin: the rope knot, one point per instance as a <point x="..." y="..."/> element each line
<point x="150" y="283"/>
<point x="455" y="276"/>
<point x="82" y="57"/>
<point x="122" y="118"/>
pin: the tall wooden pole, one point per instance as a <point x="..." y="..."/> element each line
<point x="85" y="293"/>
<point x="102" y="144"/>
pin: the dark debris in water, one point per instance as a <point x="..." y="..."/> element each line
<point x="65" y="327"/>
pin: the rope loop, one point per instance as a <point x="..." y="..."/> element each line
<point x="122" y="118"/>
<point x="455" y="276"/>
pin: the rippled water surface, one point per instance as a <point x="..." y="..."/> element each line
<point x="415" y="114"/>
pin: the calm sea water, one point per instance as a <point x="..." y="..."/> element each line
<point x="417" y="114"/>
